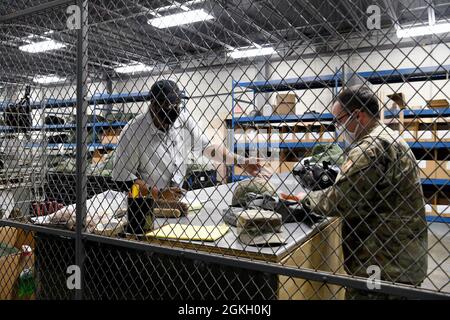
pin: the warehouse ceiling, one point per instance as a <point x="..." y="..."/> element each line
<point x="119" y="33"/>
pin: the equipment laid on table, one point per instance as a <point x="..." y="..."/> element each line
<point x="255" y="185"/>
<point x="331" y="153"/>
<point x="169" y="209"/>
<point x="231" y="214"/>
<point x="179" y="231"/>
<point x="45" y="208"/>
<point x="200" y="173"/>
<point x="260" y="228"/>
<point x="290" y="211"/>
<point x="258" y="193"/>
<point x="106" y="214"/>
<point x="316" y="176"/>
<point x="19" y="115"/>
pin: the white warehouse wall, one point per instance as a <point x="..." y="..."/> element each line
<point x="211" y="89"/>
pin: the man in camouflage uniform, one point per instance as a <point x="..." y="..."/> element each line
<point x="379" y="196"/>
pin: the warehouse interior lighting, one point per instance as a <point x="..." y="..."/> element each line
<point x="181" y="18"/>
<point x="247" y="53"/>
<point x="133" y="68"/>
<point x="42" y="46"/>
<point x="48" y="79"/>
<point x="423" y="30"/>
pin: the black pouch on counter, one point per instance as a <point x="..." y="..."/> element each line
<point x="290" y="211"/>
<point x="140" y="215"/>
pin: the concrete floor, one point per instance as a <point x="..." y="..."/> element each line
<point x="438" y="258"/>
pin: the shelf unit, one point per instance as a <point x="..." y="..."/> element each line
<point x="334" y="82"/>
<point x="95" y="100"/>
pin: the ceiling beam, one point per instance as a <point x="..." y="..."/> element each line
<point x="392" y="13"/>
<point x="356" y="16"/>
<point x="312" y="10"/>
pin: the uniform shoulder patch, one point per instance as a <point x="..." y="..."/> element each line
<point x="347" y="165"/>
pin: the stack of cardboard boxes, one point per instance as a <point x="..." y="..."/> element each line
<point x="11" y="242"/>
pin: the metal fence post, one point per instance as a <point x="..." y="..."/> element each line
<point x="81" y="148"/>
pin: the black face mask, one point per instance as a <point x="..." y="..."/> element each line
<point x="168" y="117"/>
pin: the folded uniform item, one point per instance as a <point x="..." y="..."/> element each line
<point x="260" y="228"/>
<point x="231" y="214"/>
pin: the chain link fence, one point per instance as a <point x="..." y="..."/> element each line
<point x="212" y="149"/>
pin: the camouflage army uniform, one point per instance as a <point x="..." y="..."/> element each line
<point x="254" y="185"/>
<point x="379" y="196"/>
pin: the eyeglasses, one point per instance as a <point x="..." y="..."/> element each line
<point x="337" y="121"/>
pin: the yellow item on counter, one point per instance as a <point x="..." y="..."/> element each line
<point x="189" y="232"/>
<point x="135" y="191"/>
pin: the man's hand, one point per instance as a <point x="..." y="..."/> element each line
<point x="143" y="189"/>
<point x="253" y="167"/>
<point x="168" y="194"/>
<point x="299" y="197"/>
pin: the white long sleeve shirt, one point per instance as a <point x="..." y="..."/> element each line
<point x="159" y="158"/>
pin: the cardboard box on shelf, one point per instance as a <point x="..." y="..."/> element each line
<point x="9" y="262"/>
<point x="315" y="136"/>
<point x="429" y="209"/>
<point x="442" y="170"/>
<point x="425" y="136"/>
<point x="399" y="100"/>
<point x="97" y="156"/>
<point x="442" y="209"/>
<point x="263" y="137"/>
<point x="409" y="136"/>
<point x="276" y="137"/>
<point x="288" y="137"/>
<point x="287" y="166"/>
<point x="271" y="166"/>
<point x="110" y="136"/>
<point x="328" y="136"/>
<point x="438" y="103"/>
<point x="427" y="168"/>
<point x="285" y="104"/>
<point x="443" y="135"/>
<point x="302" y="137"/>
<point x="110" y="139"/>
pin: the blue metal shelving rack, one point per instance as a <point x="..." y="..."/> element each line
<point x="335" y="81"/>
<point x="98" y="99"/>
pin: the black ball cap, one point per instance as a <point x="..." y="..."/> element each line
<point x="166" y="90"/>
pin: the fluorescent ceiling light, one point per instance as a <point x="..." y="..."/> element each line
<point x="246" y="53"/>
<point x="48" y="79"/>
<point x="181" y="18"/>
<point x="133" y="68"/>
<point x="410" y="32"/>
<point x="42" y="46"/>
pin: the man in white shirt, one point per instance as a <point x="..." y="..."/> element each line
<point x="152" y="148"/>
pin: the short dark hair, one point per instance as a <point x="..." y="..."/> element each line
<point x="359" y="97"/>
